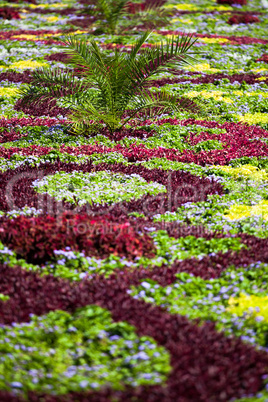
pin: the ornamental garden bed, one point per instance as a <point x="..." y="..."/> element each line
<point x="133" y="201"/>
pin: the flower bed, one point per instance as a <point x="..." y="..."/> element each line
<point x="134" y="263"/>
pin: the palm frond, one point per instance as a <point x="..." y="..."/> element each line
<point x="138" y="44"/>
<point x="160" y="58"/>
<point x="147" y="101"/>
<point x="86" y="55"/>
<point x="189" y="105"/>
<point x="52" y="85"/>
<point x="174" y="52"/>
<point x="161" y="98"/>
<point x="88" y="115"/>
<point x="95" y="65"/>
<point x="155" y="103"/>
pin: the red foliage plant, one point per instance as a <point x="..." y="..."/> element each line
<point x="241" y="40"/>
<point x="59" y="56"/>
<point x="99" y="236"/>
<point x="231" y="2"/>
<point x="181" y="187"/>
<point x="27" y="121"/>
<point x="209" y="78"/>
<point x="243" y="19"/>
<point x="263" y="58"/>
<point x="26" y="1"/>
<point x="9" y="13"/>
<point x="13" y="76"/>
<point x="234" y="40"/>
<point x="239" y="140"/>
<point x="9" y="130"/>
<point x="221" y="376"/>
<point x="47" y="107"/>
<point x="13" y="35"/>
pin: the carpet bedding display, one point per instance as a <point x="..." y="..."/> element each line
<point x="134" y="261"/>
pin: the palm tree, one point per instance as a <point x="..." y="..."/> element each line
<point x="110" y="85"/>
<point x="107" y="13"/>
<point x="148" y="15"/>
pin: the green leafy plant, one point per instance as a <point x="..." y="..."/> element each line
<point x="111" y="89"/>
<point x="107" y="13"/>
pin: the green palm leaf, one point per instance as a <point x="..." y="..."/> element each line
<point x="161" y="58"/>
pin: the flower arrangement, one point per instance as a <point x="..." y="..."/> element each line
<point x="133" y="201"/>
